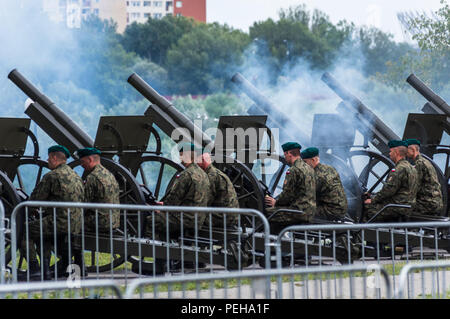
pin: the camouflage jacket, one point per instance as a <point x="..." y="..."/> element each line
<point x="329" y="190"/>
<point x="400" y="186"/>
<point x="429" y="189"/>
<point x="223" y="194"/>
<point x="101" y="187"/>
<point x="222" y="190"/>
<point x="62" y="185"/>
<point x="299" y="189"/>
<point x="190" y="188"/>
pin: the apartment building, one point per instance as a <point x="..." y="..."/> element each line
<point x="123" y="12"/>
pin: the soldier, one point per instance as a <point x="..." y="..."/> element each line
<point x="190" y="188"/>
<point x="429" y="196"/>
<point x="61" y="184"/>
<point x="331" y="200"/>
<point x="100" y="187"/>
<point x="400" y="187"/>
<point x="298" y="190"/>
<point x="223" y="193"/>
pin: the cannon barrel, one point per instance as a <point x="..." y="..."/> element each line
<point x="63" y="124"/>
<point x="428" y="94"/>
<point x="381" y="133"/>
<point x="264" y="106"/>
<point x="163" y="105"/>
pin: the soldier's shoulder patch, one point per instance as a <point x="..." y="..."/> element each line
<point x="288" y="172"/>
<point x="393" y="170"/>
<point x="177" y="176"/>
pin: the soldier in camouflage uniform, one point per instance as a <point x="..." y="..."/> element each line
<point x="100" y="187"/>
<point x="190" y="188"/>
<point x="330" y="195"/>
<point x="429" y="195"/>
<point x="61" y="184"/>
<point x="223" y="193"/>
<point x="298" y="191"/>
<point x="400" y="187"/>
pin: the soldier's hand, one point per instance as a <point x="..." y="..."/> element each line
<point x="269" y="201"/>
<point x="159" y="203"/>
<point x="368" y="201"/>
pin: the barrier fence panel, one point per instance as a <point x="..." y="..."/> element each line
<point x="354" y="282"/>
<point x="151" y="240"/>
<point x="2" y="244"/>
<point x="86" y="289"/>
<point x="393" y="245"/>
<point x="425" y="280"/>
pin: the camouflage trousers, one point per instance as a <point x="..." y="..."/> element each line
<point x="283" y="219"/>
<point x="34" y="244"/>
<point x="428" y="208"/>
<point x="327" y="213"/>
<point x="175" y="220"/>
<point x="217" y="220"/>
<point x="105" y="220"/>
<point x="392" y="214"/>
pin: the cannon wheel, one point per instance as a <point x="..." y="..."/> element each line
<point x="372" y="173"/>
<point x="248" y="188"/>
<point x="10" y="198"/>
<point x="166" y="169"/>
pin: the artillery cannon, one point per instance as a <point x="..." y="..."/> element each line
<point x="429" y="128"/>
<point x="322" y="138"/>
<point x="377" y="133"/>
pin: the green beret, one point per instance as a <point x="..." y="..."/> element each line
<point x="185" y="146"/>
<point x="88" y="151"/>
<point x="396" y="143"/>
<point x="59" y="148"/>
<point x="412" y="141"/>
<point x="310" y="152"/>
<point x="290" y="146"/>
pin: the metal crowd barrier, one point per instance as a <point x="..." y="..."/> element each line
<point x="88" y="289"/>
<point x="434" y="288"/>
<point x="119" y="244"/>
<point x="2" y="244"/>
<point x="393" y="244"/>
<point x="354" y="282"/>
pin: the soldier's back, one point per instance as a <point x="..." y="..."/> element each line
<point x="330" y="192"/>
<point x="191" y="188"/>
<point x="429" y="195"/>
<point x="223" y="192"/>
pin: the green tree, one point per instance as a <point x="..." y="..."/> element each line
<point x="202" y="61"/>
<point x="431" y="62"/>
<point x="155" y="37"/>
<point x="300" y="34"/>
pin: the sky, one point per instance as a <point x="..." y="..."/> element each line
<point x="241" y="14"/>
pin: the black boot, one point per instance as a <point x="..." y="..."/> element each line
<point x="34" y="271"/>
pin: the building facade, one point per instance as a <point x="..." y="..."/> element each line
<point x="123" y="12"/>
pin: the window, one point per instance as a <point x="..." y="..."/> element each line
<point x="96" y="12"/>
<point x="168" y="5"/>
<point x="147" y="3"/>
<point x="179" y="4"/>
<point x="146" y="15"/>
<point x="157" y="3"/>
<point x="178" y="14"/>
<point x="85" y="11"/>
<point x="157" y="15"/>
<point x="136" y="3"/>
<point x="135" y="15"/>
